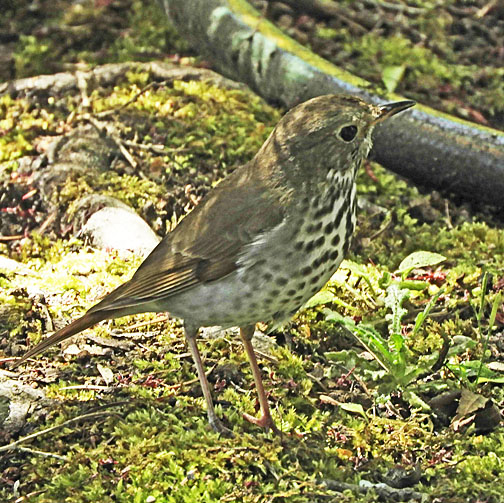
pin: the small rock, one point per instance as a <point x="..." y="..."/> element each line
<point x="120" y="229"/>
<point x="17" y="401"/>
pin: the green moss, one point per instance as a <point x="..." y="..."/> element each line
<point x="466" y="243"/>
<point x="139" y="32"/>
<point x="15" y="307"/>
<point x="21" y="122"/>
<point x="31" y="55"/>
<point x="471" y="472"/>
<point x="394" y="51"/>
<point x="151" y="35"/>
<point x="425" y="70"/>
<point x="207" y="131"/>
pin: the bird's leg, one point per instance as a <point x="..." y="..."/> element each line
<point x="265" y="421"/>
<point x="215" y="422"/>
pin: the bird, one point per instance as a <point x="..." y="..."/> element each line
<point x="262" y="242"/>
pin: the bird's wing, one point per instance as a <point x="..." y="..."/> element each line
<point x="207" y="243"/>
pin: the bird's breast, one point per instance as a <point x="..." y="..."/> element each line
<point x="281" y="268"/>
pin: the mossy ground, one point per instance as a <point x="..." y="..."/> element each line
<point x="349" y="419"/>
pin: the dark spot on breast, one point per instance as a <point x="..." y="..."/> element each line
<point x="315" y="243"/>
<point x="346" y="247"/>
<point x="315" y="227"/>
<point x="306" y="270"/>
<point x="341" y="212"/>
<point x="349" y="224"/>
<point x="305" y="201"/>
<point x="310" y="245"/>
<point x="325" y="210"/>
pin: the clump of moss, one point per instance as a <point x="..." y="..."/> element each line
<point x="21" y="123"/>
<point x="131" y="30"/>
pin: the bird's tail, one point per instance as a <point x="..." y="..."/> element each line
<point x="86" y="321"/>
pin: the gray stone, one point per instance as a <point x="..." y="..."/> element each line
<point x="120" y="229"/>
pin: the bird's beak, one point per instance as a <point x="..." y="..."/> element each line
<point x="390" y="109"/>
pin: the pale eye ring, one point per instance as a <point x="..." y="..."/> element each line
<point x="348" y="133"/>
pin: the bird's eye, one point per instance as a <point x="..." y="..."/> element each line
<point x="348" y="133"/>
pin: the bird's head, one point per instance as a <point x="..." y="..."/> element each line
<point x="326" y="133"/>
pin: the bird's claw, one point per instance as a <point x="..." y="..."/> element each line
<point x="218" y="427"/>
<point x="265" y="421"/>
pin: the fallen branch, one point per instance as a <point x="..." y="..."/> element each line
<point x="429" y="147"/>
<point x="106" y="75"/>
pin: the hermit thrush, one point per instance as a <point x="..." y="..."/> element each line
<point x="263" y="241"/>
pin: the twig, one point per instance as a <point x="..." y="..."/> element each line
<point x="7" y="373"/>
<point x="266" y="356"/>
<point x="90" y="387"/>
<point x="192" y="381"/>
<point x="326" y="10"/>
<point x="448" y="218"/>
<point x="442" y="354"/>
<point x="41" y="453"/>
<point x="11" y="238"/>
<point x="414" y="11"/>
<point x="113" y="136"/>
<point x="384" y="226"/>
<point x="318" y="381"/>
<point x="384" y="491"/>
<point x="47" y="222"/>
<point x="125" y="152"/>
<point x="106" y="113"/>
<point x="157" y="149"/>
<point x="485" y="9"/>
<point x="82" y="85"/>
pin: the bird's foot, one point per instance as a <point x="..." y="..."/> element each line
<point x="217" y="426"/>
<point x="265" y="421"/>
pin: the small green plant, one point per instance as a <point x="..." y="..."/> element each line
<point x="491" y="322"/>
<point x="474" y="372"/>
<point x="392" y="352"/>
